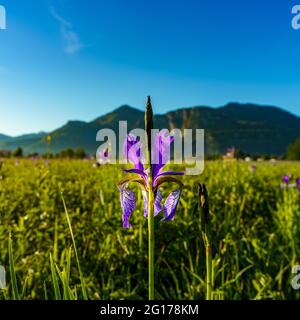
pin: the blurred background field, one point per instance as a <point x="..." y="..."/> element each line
<point x="255" y="233"/>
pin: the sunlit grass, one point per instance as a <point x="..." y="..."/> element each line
<point x="81" y="250"/>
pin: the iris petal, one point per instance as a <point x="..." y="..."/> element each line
<point x="157" y="203"/>
<point x="170" y="205"/>
<point x="161" y="151"/>
<point x="144" y="193"/>
<point x="171" y="173"/>
<point x="128" y="201"/>
<point x="132" y="151"/>
<point x="167" y="173"/>
<point x="140" y="172"/>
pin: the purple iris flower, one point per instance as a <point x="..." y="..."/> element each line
<point x="105" y="153"/>
<point x="298" y="183"/>
<point x="160" y="156"/>
<point x="103" y="156"/>
<point x="286" y="179"/>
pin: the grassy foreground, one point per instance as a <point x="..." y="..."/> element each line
<point x="80" y="251"/>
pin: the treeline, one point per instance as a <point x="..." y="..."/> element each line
<point x="69" y="153"/>
<point x="243" y="156"/>
<point x="292" y="153"/>
<point x="293" y="150"/>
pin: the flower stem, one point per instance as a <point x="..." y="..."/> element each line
<point x="151" y="240"/>
<point x="208" y="268"/>
<point x="148" y="128"/>
<point x="206" y="235"/>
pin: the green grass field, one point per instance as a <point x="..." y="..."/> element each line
<point x="255" y="234"/>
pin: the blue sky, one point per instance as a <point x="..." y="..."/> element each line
<point x="62" y="60"/>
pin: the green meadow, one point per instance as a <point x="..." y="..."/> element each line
<point x="61" y="234"/>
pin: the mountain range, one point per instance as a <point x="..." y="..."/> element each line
<point x="250" y="128"/>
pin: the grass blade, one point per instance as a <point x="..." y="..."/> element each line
<point x="84" y="293"/>
<point x="54" y="279"/>
<point x="13" y="278"/>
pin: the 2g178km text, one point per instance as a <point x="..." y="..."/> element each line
<point x="171" y="309"/>
<point x="155" y="309"/>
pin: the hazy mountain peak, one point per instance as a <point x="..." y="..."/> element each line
<point x="126" y="108"/>
<point x="75" y="122"/>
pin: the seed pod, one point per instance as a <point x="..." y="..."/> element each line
<point x="204" y="205"/>
<point x="149" y="124"/>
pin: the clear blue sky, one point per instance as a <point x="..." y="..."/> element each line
<point x="72" y="59"/>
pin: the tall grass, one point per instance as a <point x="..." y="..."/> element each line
<point x="74" y="247"/>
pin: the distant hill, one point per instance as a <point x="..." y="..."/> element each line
<point x="251" y="128"/>
<point x="24" y="141"/>
<point x="3" y="137"/>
